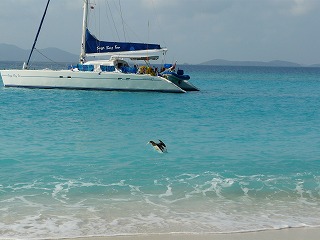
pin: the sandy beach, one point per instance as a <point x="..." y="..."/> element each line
<point x="285" y="234"/>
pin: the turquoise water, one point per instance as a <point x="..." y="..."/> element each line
<point x="243" y="155"/>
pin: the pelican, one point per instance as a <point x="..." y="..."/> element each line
<point x="160" y="147"/>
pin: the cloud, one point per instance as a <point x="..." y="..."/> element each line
<point x="301" y="7"/>
<point x="295" y="7"/>
<point x="193" y="30"/>
<point x="188" y="8"/>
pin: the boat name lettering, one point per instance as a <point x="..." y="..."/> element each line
<point x="100" y="48"/>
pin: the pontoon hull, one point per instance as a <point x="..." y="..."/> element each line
<point x="180" y="81"/>
<point x="107" y="81"/>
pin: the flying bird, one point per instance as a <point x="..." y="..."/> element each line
<point x="160" y="147"/>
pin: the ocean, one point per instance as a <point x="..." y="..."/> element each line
<point x="243" y="155"/>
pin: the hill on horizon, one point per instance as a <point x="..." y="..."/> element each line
<point x="12" y="53"/>
<point x="9" y="52"/>
<point x="274" y="63"/>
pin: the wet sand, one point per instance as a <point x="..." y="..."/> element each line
<point x="285" y="234"/>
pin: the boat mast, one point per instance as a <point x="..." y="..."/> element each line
<point x="26" y="65"/>
<point x="84" y="30"/>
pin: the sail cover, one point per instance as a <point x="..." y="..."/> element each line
<point x="95" y="46"/>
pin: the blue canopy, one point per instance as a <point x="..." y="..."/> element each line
<point x="93" y="45"/>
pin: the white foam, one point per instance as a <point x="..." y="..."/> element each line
<point x="203" y="215"/>
<point x="186" y="203"/>
<point x="168" y="193"/>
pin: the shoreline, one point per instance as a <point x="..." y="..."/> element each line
<point x="281" y="234"/>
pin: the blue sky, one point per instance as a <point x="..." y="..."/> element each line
<point x="194" y="30"/>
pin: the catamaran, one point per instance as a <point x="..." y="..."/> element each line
<point x="114" y="73"/>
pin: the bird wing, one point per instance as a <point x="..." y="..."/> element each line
<point x="162" y="143"/>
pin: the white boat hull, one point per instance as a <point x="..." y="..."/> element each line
<point x="107" y="81"/>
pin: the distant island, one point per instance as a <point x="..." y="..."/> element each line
<point x="275" y="63"/>
<point x="9" y="52"/>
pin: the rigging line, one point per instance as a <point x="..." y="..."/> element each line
<point x="114" y="24"/>
<point x="127" y="27"/>
<point x="124" y="32"/>
<point x="36" y="39"/>
<point x="164" y="56"/>
<point x="95" y="19"/>
<point x="108" y="20"/>
<point x="99" y="24"/>
<point x="133" y="32"/>
<point x="157" y="19"/>
<point x="148" y="35"/>
<point x="45" y="56"/>
<point x="99" y="21"/>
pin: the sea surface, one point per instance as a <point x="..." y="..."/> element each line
<point x="243" y="155"/>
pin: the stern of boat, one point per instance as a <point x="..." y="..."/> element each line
<point x="180" y="80"/>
